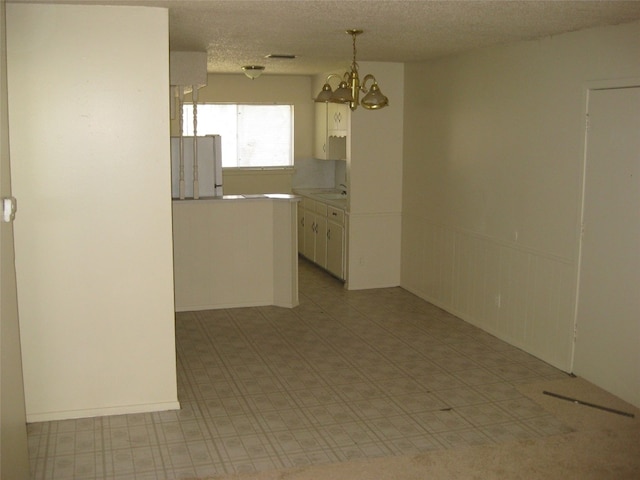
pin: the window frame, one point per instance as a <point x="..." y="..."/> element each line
<point x="188" y="125"/>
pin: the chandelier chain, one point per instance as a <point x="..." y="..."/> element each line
<point x="354" y="48"/>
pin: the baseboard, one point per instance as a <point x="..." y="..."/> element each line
<point x="219" y="306"/>
<point x="101" y="412"/>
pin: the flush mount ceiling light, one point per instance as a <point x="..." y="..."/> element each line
<point x="253" y="71"/>
<point x="349" y="89"/>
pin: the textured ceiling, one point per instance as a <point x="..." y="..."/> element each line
<point x="243" y="32"/>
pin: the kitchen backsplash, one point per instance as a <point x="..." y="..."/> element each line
<point x="314" y="173"/>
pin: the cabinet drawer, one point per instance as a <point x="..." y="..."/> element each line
<point x="335" y="214"/>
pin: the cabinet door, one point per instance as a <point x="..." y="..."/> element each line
<point x="309" y="249"/>
<point x="335" y="249"/>
<point x="321" y="149"/>
<point x="332" y="128"/>
<point x="321" y="241"/>
<point x="337" y="119"/>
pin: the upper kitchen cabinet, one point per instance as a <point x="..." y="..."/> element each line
<point x="332" y="128"/>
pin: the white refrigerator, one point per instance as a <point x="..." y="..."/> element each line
<point x="209" y="166"/>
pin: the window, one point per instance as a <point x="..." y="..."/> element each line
<point x="253" y="136"/>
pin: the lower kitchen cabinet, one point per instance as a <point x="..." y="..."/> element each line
<point x="315" y="238"/>
<point x="321" y="235"/>
<point x="335" y="249"/>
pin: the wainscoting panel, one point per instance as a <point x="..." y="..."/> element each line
<point x="520" y="295"/>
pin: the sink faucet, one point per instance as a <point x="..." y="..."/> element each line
<point x="344" y="191"/>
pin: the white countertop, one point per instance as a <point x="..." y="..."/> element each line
<point x="260" y="196"/>
<point x="329" y="196"/>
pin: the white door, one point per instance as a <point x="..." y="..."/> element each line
<point x="607" y="349"/>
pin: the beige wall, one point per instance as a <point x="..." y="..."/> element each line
<point x="93" y="237"/>
<point x="277" y="89"/>
<point x="493" y="159"/>
<point x="14" y="459"/>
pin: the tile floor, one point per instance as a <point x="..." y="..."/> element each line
<point x="344" y="375"/>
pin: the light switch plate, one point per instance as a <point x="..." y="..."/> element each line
<point x="9" y="207"/>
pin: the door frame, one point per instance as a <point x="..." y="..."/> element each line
<point x="588" y="87"/>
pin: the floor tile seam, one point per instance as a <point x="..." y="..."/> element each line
<point x="317" y="373"/>
<point x="163" y="466"/>
<point x="208" y="438"/>
<point x="414" y="323"/>
<point x="182" y="359"/>
<point x="361" y="371"/>
<point x="448" y="407"/>
<point x="304" y="411"/>
<point x="387" y="443"/>
<point x="103" y="437"/>
<point x="363" y="423"/>
<point x="391" y="333"/>
<point x="375" y="381"/>
<point x="338" y="423"/>
<point x="325" y="443"/>
<point x="189" y="386"/>
<point x="284" y="387"/>
<point x="47" y="457"/>
<point x="373" y="347"/>
<point x="252" y="343"/>
<point x="232" y="381"/>
<point x="226" y="369"/>
<point x="335" y="393"/>
<point x="414" y="421"/>
<point x="385" y="355"/>
<point x="214" y="452"/>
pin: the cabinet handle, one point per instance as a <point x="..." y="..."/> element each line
<point x="302" y="221"/>
<point x="334" y="214"/>
<point x="329" y="234"/>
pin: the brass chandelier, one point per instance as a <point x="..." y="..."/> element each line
<point x="349" y="89"/>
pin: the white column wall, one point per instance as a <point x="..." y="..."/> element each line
<point x="374" y="171"/>
<point x="89" y="125"/>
